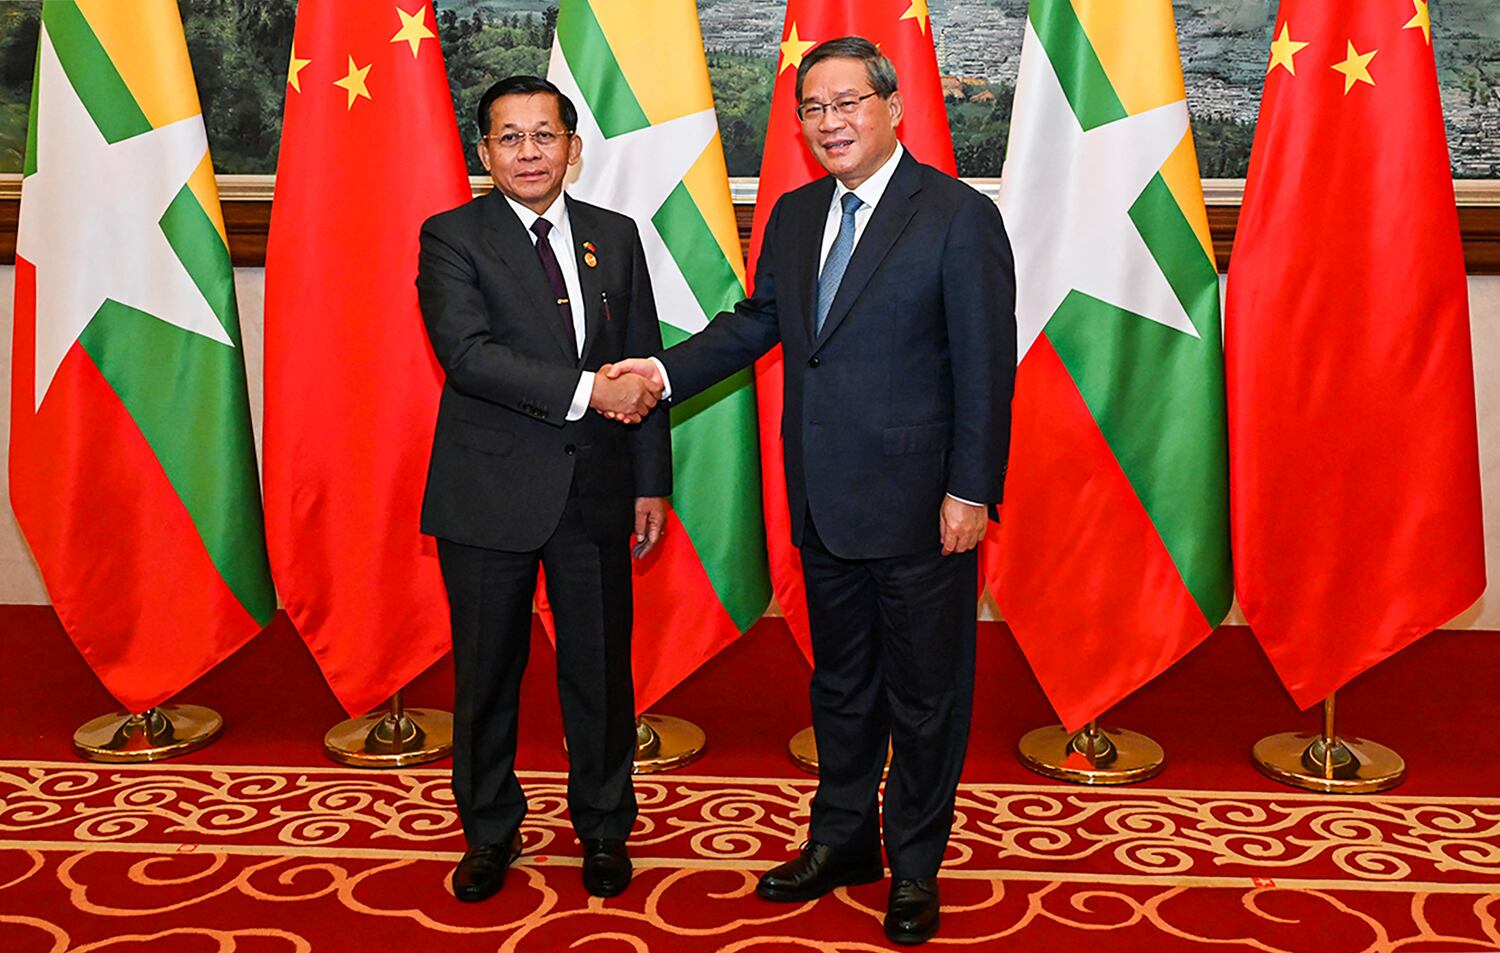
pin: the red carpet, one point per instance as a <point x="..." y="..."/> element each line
<point x="258" y="843"/>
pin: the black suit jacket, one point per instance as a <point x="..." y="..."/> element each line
<point x="905" y="395"/>
<point x="504" y="455"/>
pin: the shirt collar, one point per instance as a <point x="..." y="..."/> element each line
<point x="556" y="213"/>
<point x="871" y="189"/>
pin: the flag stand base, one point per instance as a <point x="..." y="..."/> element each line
<point x="803" y="750"/>
<point x="395" y="738"/>
<point x="155" y="734"/>
<point x="663" y="743"/>
<point x="1327" y="763"/>
<point x="1092" y="756"/>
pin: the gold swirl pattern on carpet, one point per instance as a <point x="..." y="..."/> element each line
<point x="243" y="858"/>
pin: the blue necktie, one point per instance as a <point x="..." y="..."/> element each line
<point x="838" y="259"/>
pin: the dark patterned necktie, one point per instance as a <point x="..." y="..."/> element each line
<point x="543" y="228"/>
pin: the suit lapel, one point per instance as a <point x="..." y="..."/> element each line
<point x="887" y="223"/>
<point x="513" y="247"/>
<point x="585" y="229"/>
<point x="808" y="235"/>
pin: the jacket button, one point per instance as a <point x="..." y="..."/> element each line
<point x="570" y="449"/>
<point x="813" y="361"/>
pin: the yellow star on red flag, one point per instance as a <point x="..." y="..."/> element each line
<point x="413" y="29"/>
<point x="354" y="83"/>
<point x="792" y="51"/>
<point x="1356" y="68"/>
<point x="1284" y="51"/>
<point x="295" y="67"/>
<point x="1422" y="20"/>
<point x="918" y="11"/>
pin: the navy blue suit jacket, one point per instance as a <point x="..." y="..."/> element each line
<point x="905" y="395"/>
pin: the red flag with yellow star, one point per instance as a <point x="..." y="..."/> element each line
<point x="369" y="150"/>
<point x="1354" y="466"/>
<point x="903" y="31"/>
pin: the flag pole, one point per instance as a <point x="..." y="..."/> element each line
<point x="1327" y="763"/>
<point x="397" y="737"/>
<point x="165" y="731"/>
<point x="1093" y="755"/>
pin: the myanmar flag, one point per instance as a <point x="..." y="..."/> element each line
<point x="132" y="466"/>
<point x="903" y="31"/>
<point x="651" y="150"/>
<point x="1357" y="523"/>
<point x="1112" y="557"/>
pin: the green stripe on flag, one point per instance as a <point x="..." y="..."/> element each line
<point x="1077" y="66"/>
<point x="92" y="73"/>
<point x="1157" y="395"/>
<point x="187" y="395"/>
<point x="697" y="252"/>
<point x="195" y="239"/>
<point x="597" y="72"/>
<point x="715" y="489"/>
<point x="28" y="162"/>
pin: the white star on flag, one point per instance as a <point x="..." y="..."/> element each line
<point x="1067" y="193"/>
<point x="90" y="221"/>
<point x="633" y="174"/>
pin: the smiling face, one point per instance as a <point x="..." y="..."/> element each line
<point x="851" y="147"/>
<point x="526" y="172"/>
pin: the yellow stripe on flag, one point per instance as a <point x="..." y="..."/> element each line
<point x="1128" y="33"/>
<point x="644" y="35"/>
<point x="206" y="191"/>
<point x="144" y="40"/>
<point x="1181" y="174"/>
<point x="708" y="183"/>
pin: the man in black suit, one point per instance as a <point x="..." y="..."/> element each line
<point x="891" y="289"/>
<point x="527" y="294"/>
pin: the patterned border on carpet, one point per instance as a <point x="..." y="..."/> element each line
<point x="250" y="858"/>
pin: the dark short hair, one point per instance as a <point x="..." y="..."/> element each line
<point x="880" y="70"/>
<point x="523" y="85"/>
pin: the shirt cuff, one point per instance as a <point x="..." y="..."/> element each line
<point x="581" y="395"/>
<point x="666" y="382"/>
<point x="962" y="500"/>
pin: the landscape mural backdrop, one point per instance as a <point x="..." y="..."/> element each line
<point x="239" y="50"/>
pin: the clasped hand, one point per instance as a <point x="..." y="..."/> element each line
<point x="637" y="380"/>
<point x="623" y="396"/>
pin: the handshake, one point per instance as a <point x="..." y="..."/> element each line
<point x="626" y="391"/>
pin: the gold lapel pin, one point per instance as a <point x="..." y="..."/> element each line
<point x="588" y="255"/>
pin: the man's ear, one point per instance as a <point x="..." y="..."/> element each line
<point x="484" y="154"/>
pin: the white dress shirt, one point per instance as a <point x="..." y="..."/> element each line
<point x="561" y="240"/>
<point x="869" y="192"/>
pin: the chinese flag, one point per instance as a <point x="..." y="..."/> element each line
<point x="903" y="31"/>
<point x="1353" y="454"/>
<point x="369" y="149"/>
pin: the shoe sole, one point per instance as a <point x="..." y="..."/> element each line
<point x="903" y="938"/>
<point x="777" y="895"/>
<point x="606" y="893"/>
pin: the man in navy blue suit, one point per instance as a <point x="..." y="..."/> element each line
<point x="891" y="289"/>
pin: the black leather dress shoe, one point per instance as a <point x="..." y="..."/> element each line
<point x="820" y="869"/>
<point x="481" y="873"/>
<point x="606" y="867"/>
<point x="911" y="917"/>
